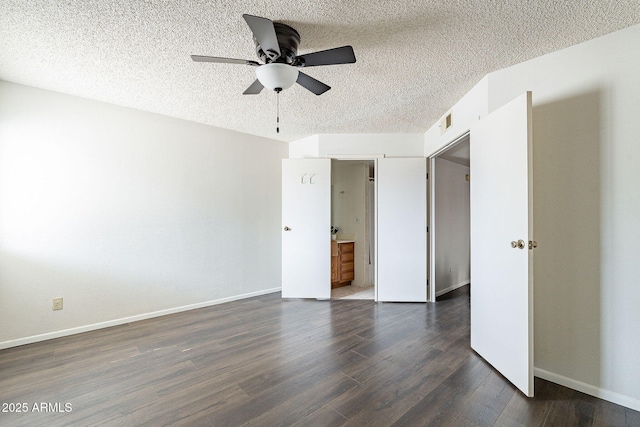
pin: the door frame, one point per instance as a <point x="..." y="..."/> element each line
<point x="431" y="206"/>
<point x="375" y="158"/>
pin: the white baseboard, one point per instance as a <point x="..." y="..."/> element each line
<point x="452" y="288"/>
<point x="589" y="389"/>
<point x="121" y="321"/>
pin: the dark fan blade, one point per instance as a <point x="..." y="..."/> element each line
<point x="199" y="58"/>
<point x="312" y="84"/>
<point x="338" y="55"/>
<point x="254" y="89"/>
<point x="265" y="33"/>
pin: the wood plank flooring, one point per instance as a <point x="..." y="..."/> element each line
<point x="268" y="362"/>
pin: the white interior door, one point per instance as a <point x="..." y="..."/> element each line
<point x="306" y="228"/>
<point x="501" y="213"/>
<point x="402" y="219"/>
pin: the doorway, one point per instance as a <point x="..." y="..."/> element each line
<point x="449" y="205"/>
<point x="400" y="222"/>
<point x="501" y="219"/>
<point x="353" y="229"/>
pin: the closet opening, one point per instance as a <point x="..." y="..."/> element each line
<point x="449" y="222"/>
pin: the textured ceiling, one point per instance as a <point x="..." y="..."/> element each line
<point x="415" y="59"/>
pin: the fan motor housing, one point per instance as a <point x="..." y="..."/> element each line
<point x="288" y="41"/>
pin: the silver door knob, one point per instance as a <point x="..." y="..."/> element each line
<point x="520" y="244"/>
<point x="287" y="228"/>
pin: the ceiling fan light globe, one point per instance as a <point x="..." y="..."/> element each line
<point x="277" y="76"/>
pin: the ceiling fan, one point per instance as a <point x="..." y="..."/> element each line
<point x="277" y="47"/>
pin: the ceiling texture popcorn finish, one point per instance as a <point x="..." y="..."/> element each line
<point x="414" y="58"/>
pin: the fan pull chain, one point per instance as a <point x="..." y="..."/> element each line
<point x="278" y="110"/>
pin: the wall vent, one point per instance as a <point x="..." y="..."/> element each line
<point x="446" y="123"/>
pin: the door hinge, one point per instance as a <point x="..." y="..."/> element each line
<point x="427" y="176"/>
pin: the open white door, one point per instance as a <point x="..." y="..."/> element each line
<point x="402" y="221"/>
<point x="501" y="213"/>
<point x="306" y="228"/>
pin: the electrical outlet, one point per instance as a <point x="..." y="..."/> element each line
<point x="57" y="303"/>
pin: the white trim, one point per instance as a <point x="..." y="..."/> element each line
<point x="451" y="142"/>
<point x="375" y="230"/>
<point x="452" y="287"/>
<point x="431" y="234"/>
<point x="589" y="389"/>
<point x="121" y="321"/>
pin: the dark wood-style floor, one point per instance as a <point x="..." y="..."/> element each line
<point x="267" y="362"/>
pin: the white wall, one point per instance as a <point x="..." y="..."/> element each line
<point x="587" y="205"/>
<point x="126" y="214"/>
<point x="348" y="202"/>
<point x="586" y="210"/>
<point x="451" y="231"/>
<point x="471" y="107"/>
<point x="305" y="148"/>
<point x="391" y="145"/>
